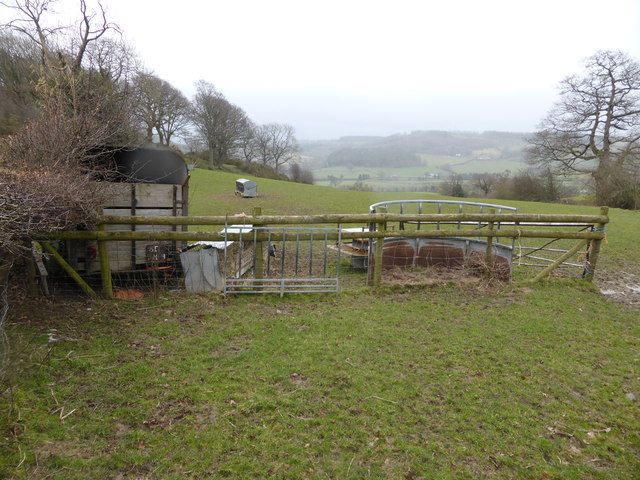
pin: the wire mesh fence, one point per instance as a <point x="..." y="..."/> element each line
<point x="464" y="255"/>
<point x="476" y="256"/>
<point x="145" y="266"/>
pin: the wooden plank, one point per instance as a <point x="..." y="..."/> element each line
<point x="119" y="256"/>
<point x="118" y="194"/>
<point x="140" y="212"/>
<point x="151" y="195"/>
<point x="148" y="195"/>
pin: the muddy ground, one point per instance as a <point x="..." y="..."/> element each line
<point x="620" y="286"/>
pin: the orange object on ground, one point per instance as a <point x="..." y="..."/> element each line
<point x="129" y="295"/>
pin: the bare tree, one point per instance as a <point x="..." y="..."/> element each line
<point x="485" y="182"/>
<point x="594" y="128"/>
<point x="300" y="174"/>
<point x="175" y="116"/>
<point x="19" y="61"/>
<point x="30" y="24"/>
<point x="276" y="144"/>
<point x="60" y="47"/>
<point x="249" y="148"/>
<point x="46" y="167"/>
<point x="34" y="57"/>
<point x="80" y="62"/>
<point x="160" y="106"/>
<point x="452" y="186"/>
<point x="91" y="28"/>
<point x="221" y="125"/>
<point x="112" y="58"/>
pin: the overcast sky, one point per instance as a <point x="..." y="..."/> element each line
<point x="350" y="67"/>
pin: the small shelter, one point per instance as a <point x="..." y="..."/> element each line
<point x="149" y="180"/>
<point x="246" y="188"/>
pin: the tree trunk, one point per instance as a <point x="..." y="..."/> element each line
<point x="220" y="157"/>
<point x="211" y="159"/>
<point x="601" y="177"/>
<point x="600" y="181"/>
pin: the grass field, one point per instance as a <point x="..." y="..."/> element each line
<point x="412" y="177"/>
<point x="447" y="381"/>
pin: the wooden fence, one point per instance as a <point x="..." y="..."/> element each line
<point x="511" y="225"/>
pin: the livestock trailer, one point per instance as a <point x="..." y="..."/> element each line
<point x="144" y="181"/>
<point x="246" y="188"/>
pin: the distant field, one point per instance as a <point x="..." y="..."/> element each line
<point x="212" y="193"/>
<point x="403" y="177"/>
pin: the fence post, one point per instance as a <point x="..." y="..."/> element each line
<point x="593" y="252"/>
<point x="259" y="266"/>
<point x="377" y="264"/>
<point x="105" y="269"/>
<point x="69" y="269"/>
<point x="32" y="274"/>
<point x="488" y="254"/>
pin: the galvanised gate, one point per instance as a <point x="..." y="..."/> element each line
<point x="281" y="260"/>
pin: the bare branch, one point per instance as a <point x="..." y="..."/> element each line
<point x="88" y="33"/>
<point x="595" y="126"/>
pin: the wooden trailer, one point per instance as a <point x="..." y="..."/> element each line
<point x="148" y="181"/>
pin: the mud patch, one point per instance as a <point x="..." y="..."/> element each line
<point x="618" y="286"/>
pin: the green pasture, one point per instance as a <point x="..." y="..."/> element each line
<point x="391" y="177"/>
<point x="212" y="193"/>
<point x="442" y="380"/>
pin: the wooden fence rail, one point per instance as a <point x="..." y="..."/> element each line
<point x="275" y="235"/>
<point x="504" y="218"/>
<point x="507" y="225"/>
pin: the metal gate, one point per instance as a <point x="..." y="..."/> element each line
<point x="281" y="260"/>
